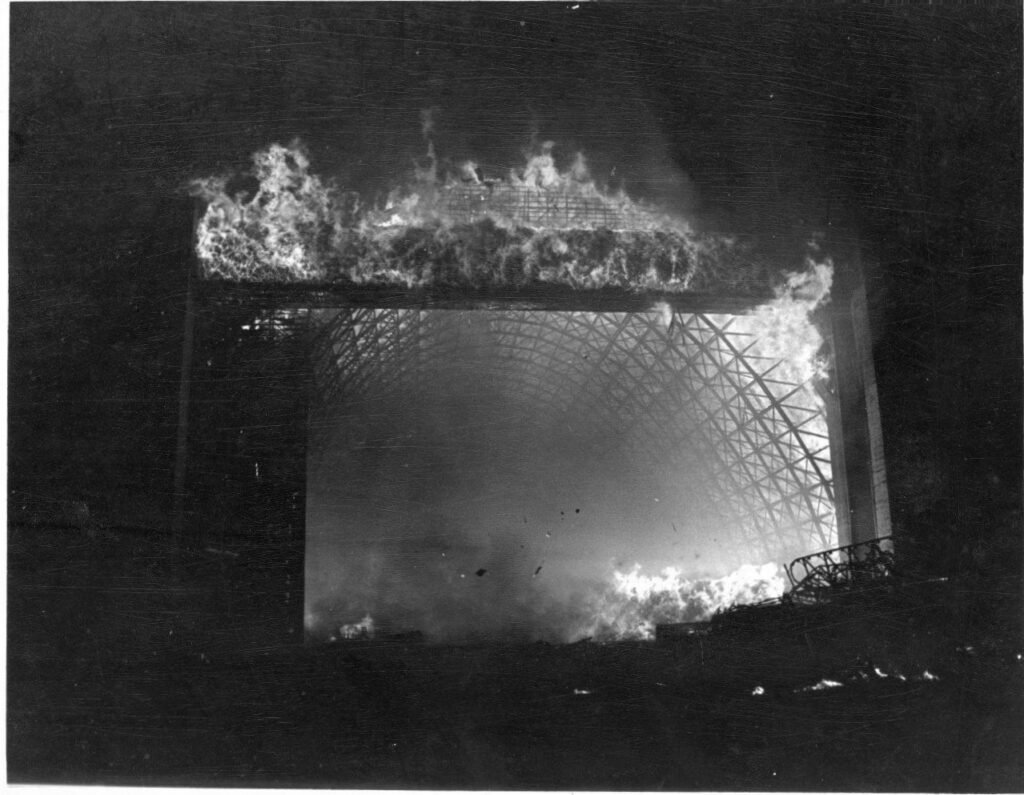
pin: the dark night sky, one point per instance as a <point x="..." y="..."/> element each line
<point x="900" y="126"/>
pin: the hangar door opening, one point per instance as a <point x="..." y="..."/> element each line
<point x="521" y="474"/>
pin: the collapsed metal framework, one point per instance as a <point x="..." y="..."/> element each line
<point x="692" y="383"/>
<point x="816" y="576"/>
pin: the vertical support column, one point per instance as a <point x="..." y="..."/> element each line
<point x="837" y="450"/>
<point x="879" y="479"/>
<point x="184" y="397"/>
<point x="862" y="499"/>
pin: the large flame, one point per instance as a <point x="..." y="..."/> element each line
<point x="635" y="603"/>
<point x="540" y="224"/>
<point x="282" y="231"/>
<point x="782" y="329"/>
<point x="627" y="606"/>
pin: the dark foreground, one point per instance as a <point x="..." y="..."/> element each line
<point x="124" y="670"/>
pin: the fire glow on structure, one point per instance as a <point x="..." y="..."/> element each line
<point x="698" y="441"/>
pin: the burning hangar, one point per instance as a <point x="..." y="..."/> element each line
<point x="747" y="366"/>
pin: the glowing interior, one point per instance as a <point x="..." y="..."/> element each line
<point x="556" y="475"/>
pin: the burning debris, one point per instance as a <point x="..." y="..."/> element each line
<point x="824" y="684"/>
<point x="858" y="676"/>
<point x="360" y="630"/>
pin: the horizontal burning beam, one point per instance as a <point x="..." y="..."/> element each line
<point x="483" y="256"/>
<point x="541" y="228"/>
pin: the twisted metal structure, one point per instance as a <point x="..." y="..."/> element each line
<point x="819" y="575"/>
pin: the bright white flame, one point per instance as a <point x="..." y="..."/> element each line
<point x="758" y="691"/>
<point x="782" y="329"/>
<point x="928" y="676"/>
<point x="273" y="232"/>
<point x="748" y="583"/>
<point x="360" y="629"/>
<point x="824" y="684"/>
<point x="540" y="171"/>
<point x="578" y="692"/>
<point x="664" y="309"/>
<point x="634" y="602"/>
<point x="467" y="170"/>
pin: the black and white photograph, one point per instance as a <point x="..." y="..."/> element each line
<point x="525" y="396"/>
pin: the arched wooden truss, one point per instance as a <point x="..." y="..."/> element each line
<point x="693" y="383"/>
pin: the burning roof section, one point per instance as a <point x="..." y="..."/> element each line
<point x="539" y="225"/>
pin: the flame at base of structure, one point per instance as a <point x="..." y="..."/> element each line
<point x="628" y="607"/>
<point x="363" y="628"/>
<point x="636" y="602"/>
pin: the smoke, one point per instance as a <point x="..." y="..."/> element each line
<point x="425" y="509"/>
<point x="451" y="581"/>
<point x="427" y="116"/>
<point x="467" y="495"/>
<point x="499" y="475"/>
<point x="426" y="172"/>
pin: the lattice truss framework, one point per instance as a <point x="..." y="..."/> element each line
<point x="706" y="398"/>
